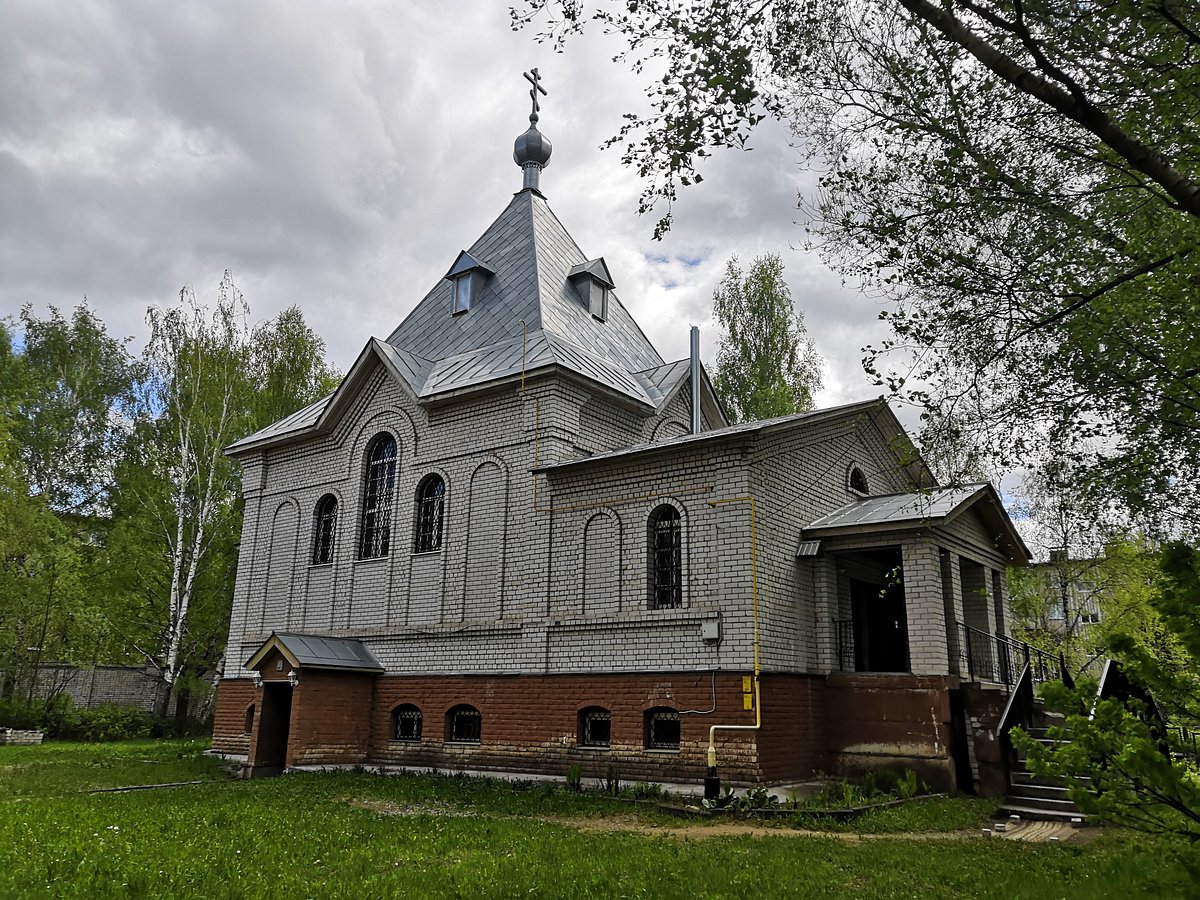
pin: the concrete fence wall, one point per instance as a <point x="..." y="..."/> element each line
<point x="92" y="686"/>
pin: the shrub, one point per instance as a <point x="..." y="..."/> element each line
<point x="108" y="722"/>
<point x="13" y="714"/>
<point x="61" y="720"/>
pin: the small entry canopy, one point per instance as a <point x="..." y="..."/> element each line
<point x="932" y="508"/>
<point x="314" y="651"/>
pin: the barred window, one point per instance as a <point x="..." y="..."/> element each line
<point x="666" y="558"/>
<point x="431" y="495"/>
<point x="406" y="723"/>
<point x="377" y="498"/>
<point x="662" y="729"/>
<point x="464" y="725"/>
<point x="595" y="727"/>
<point x="324" y="523"/>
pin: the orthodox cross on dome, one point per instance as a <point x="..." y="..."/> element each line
<point x="534" y="78"/>
<point x="531" y="150"/>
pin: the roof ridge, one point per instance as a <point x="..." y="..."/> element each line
<point x="537" y="262"/>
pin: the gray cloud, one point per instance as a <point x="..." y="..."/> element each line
<point x="338" y="157"/>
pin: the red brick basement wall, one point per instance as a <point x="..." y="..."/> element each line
<point x="329" y="712"/>
<point x="792" y="744"/>
<point x="530" y="723"/>
<point x="891" y="721"/>
<point x="229" y="717"/>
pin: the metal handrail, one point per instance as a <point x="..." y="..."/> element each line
<point x="1018" y="711"/>
<point x="998" y="658"/>
<point x="1116" y="682"/>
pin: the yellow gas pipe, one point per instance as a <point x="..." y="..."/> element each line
<point x="712" y="731"/>
<point x="712" y="745"/>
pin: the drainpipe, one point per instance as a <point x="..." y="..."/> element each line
<point x="712" y="782"/>
<point x="695" y="367"/>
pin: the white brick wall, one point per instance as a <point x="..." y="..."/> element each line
<point x="560" y="581"/>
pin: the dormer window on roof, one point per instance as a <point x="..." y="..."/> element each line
<point x="592" y="281"/>
<point x="467" y="277"/>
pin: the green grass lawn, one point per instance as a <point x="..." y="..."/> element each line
<point x="59" y="767"/>
<point x="350" y="835"/>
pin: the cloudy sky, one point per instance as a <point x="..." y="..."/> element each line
<point x="339" y="155"/>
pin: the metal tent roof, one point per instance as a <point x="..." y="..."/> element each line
<point x="532" y="256"/>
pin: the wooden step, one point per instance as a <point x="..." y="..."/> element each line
<point x="1038" y="814"/>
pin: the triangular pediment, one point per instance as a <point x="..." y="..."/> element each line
<point x="934" y="508"/>
<point x="468" y="263"/>
<point x="594" y="268"/>
<point x="407" y="369"/>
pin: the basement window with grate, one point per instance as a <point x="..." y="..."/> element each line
<point x="662" y="728"/>
<point x="406" y="723"/>
<point x="595" y="727"/>
<point x="464" y="725"/>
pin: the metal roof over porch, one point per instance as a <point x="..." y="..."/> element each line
<point x="928" y="508"/>
<point x="314" y="651"/>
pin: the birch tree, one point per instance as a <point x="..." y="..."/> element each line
<point x="194" y="397"/>
<point x="209" y="378"/>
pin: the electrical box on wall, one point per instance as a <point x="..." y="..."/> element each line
<point x="710" y="630"/>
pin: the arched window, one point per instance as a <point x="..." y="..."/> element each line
<point x="324" y="524"/>
<point x="666" y="558"/>
<point x="662" y="728"/>
<point x="248" y="726"/>
<point x="857" y="481"/>
<point x="595" y="727"/>
<point x="431" y="494"/>
<point x="379" y="483"/>
<point x="406" y="723"/>
<point x="464" y="725"/>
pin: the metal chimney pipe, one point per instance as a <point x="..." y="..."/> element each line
<point x="695" y="379"/>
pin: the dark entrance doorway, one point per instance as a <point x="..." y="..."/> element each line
<point x="269" y="755"/>
<point x="880" y="627"/>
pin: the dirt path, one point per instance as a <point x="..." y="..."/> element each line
<point x="1020" y="831"/>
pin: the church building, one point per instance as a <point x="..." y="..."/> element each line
<point x="516" y="538"/>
